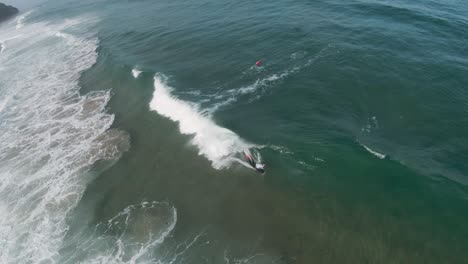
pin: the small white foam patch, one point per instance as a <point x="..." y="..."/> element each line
<point x="233" y="95"/>
<point x="136" y="73"/>
<point x="4" y="41"/>
<point x="371" y="125"/>
<point x="70" y="39"/>
<point x="51" y="135"/>
<point x="281" y="149"/>
<point x="373" y="152"/>
<point x="218" y="144"/>
<point x="298" y="55"/>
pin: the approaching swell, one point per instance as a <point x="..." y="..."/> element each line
<point x="217" y="144"/>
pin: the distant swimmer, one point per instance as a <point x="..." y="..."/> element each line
<point x="258" y="63"/>
<point x="258" y="166"/>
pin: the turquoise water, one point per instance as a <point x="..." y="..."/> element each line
<point x="124" y="123"/>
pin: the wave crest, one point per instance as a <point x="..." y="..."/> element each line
<point x="218" y="144"/>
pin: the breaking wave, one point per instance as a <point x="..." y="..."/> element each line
<point x="218" y="144"/>
<point x="136" y="73"/>
<point x="51" y="136"/>
<point x="373" y="152"/>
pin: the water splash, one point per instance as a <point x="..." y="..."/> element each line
<point x="218" y="144"/>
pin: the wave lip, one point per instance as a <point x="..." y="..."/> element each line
<point x="20" y="20"/>
<point x="218" y="144"/>
<point x="373" y="152"/>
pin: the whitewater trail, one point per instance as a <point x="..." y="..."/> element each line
<point x="373" y="152"/>
<point x="258" y="88"/>
<point x="21" y="18"/>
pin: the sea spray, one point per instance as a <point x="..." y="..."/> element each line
<point x="216" y="143"/>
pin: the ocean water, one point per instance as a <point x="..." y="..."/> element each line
<point x="123" y="126"/>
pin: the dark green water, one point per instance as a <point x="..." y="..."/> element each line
<point x="342" y="85"/>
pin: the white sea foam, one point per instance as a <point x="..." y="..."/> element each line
<point x="70" y="39"/>
<point x="134" y="234"/>
<point x="4" y="102"/>
<point x="371" y="125"/>
<point x="3" y="42"/>
<point x="136" y="73"/>
<point x="281" y="149"/>
<point x="21" y="18"/>
<point x="216" y="143"/>
<point x="373" y="152"/>
<point x="51" y="135"/>
<point x="232" y="95"/>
